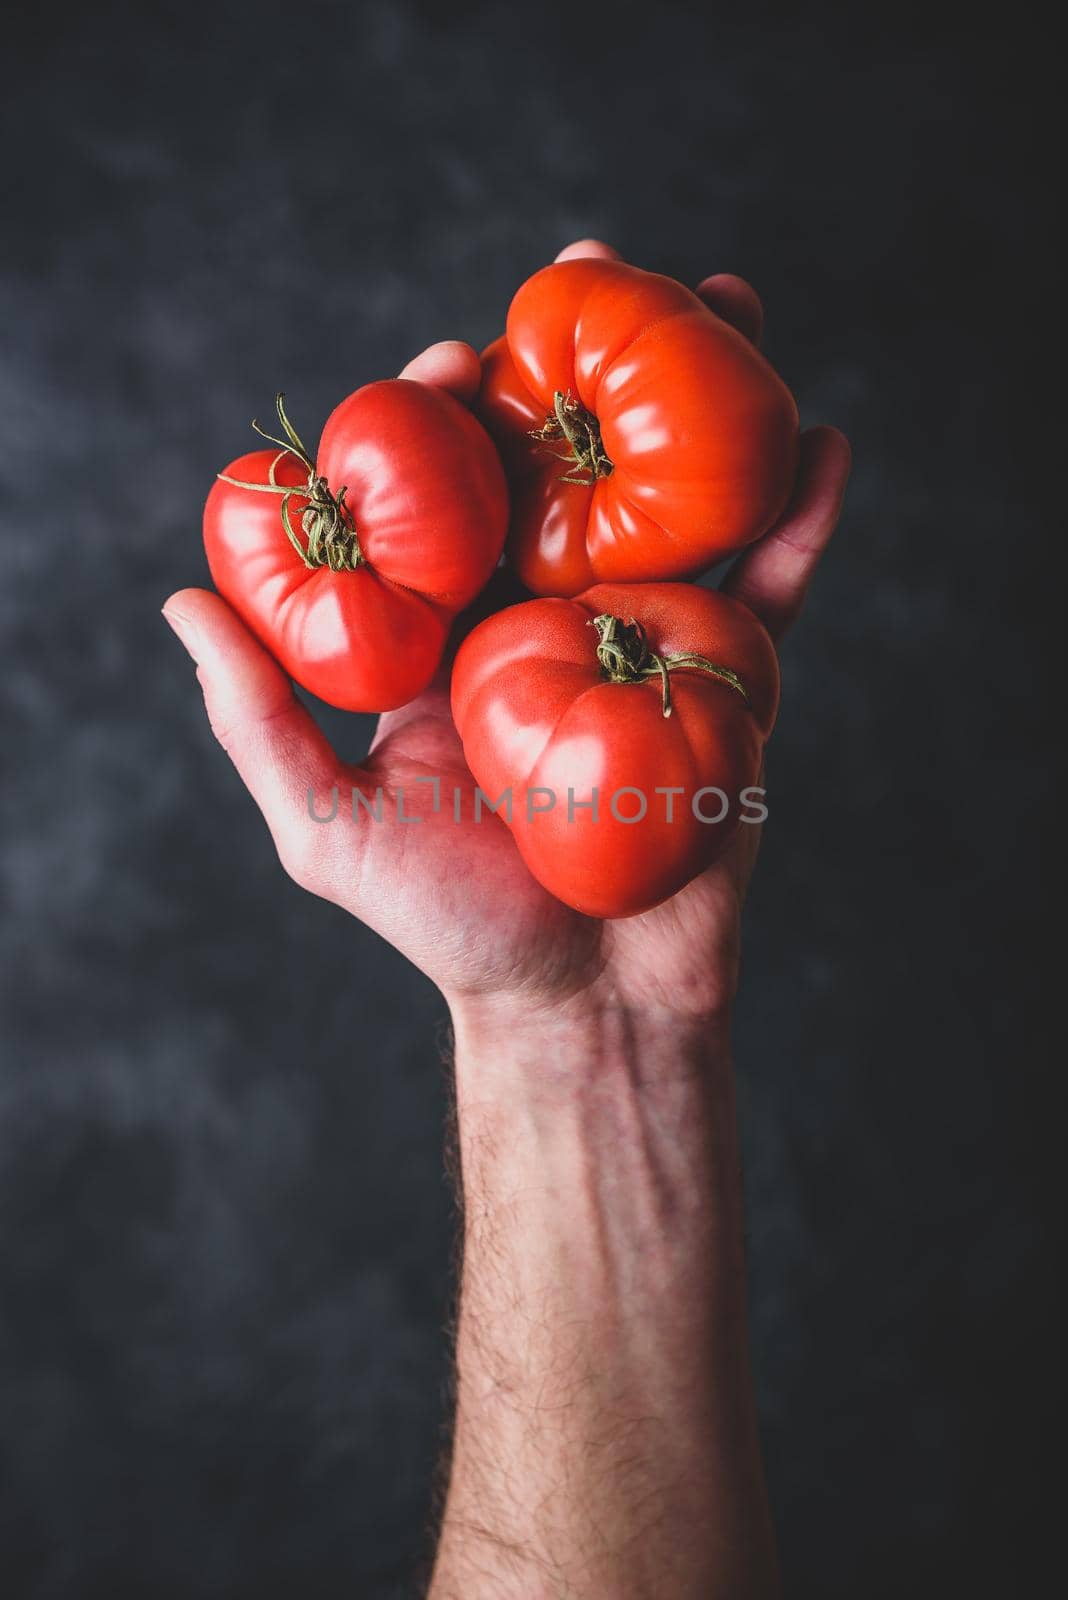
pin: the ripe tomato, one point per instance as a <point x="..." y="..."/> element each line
<point x="664" y="440"/>
<point x="615" y="698"/>
<point x="350" y="568"/>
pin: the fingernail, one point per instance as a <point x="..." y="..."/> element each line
<point x="184" y="629"/>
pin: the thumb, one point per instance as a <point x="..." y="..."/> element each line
<point x="272" y="740"/>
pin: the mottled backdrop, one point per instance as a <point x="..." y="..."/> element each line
<point x="224" y="1228"/>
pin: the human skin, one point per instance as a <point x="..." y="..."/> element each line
<point x="605" y="1442"/>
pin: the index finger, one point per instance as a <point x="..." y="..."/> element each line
<point x="583" y="249"/>
<point x="450" y="365"/>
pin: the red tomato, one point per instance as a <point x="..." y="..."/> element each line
<point x="665" y="439"/>
<point x="550" y="702"/>
<point x="351" y="569"/>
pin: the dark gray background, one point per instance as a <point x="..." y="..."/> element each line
<point x="224" y="1227"/>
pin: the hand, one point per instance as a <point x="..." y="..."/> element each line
<point x="605" y="1436"/>
<point x="456" y="898"/>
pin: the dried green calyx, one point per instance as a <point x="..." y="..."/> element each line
<point x="581" y="432"/>
<point x="327" y="535"/>
<point x="625" y="657"/>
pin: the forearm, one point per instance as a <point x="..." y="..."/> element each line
<point x="605" y="1440"/>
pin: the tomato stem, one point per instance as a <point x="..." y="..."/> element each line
<point x="580" y="429"/>
<point x="326" y="521"/>
<point x="625" y="657"/>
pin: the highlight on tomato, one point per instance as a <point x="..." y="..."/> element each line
<point x="349" y="566"/>
<point x="625" y="731"/>
<point x="644" y="437"/>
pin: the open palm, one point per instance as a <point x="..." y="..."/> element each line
<point x="455" y="897"/>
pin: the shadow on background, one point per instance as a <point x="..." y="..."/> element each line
<point x="224" y="1229"/>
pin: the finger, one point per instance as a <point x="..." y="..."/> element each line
<point x="773" y="575"/>
<point x="736" y="301"/>
<point x="583" y="248"/>
<point x="450" y="365"/>
<point x="272" y="740"/>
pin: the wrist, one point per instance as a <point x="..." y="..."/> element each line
<point x="508" y="1045"/>
<point x="606" y="1134"/>
<point x="583" y="1088"/>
